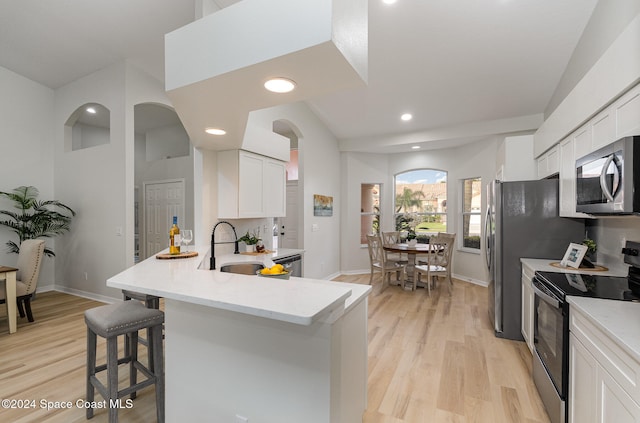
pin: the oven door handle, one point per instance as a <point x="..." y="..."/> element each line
<point x="546" y="297"/>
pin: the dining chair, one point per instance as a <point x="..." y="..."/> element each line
<point x="439" y="261"/>
<point x="380" y="263"/>
<point x="393" y="237"/>
<point x="29" y="261"/>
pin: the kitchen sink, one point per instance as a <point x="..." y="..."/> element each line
<point x="242" y="268"/>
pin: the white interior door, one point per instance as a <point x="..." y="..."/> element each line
<point x="162" y="201"/>
<point x="289" y="224"/>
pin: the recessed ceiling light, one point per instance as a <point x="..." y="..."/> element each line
<point x="406" y="117"/>
<point x="215" y="131"/>
<point x="91" y="110"/>
<point x="389" y="1"/>
<point x="416" y="147"/>
<point x="280" y="85"/>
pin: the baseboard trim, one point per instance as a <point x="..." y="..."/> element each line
<point x="455" y="276"/>
<point x="84" y="294"/>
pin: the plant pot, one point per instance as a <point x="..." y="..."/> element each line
<point x="249" y="248"/>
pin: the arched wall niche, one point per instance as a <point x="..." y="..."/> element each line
<point x="161" y="130"/>
<point x="88" y="126"/>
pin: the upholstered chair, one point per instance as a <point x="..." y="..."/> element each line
<point x="29" y="263"/>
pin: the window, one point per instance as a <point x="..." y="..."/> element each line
<point x="369" y="211"/>
<point x="421" y="202"/>
<point x="471" y="217"/>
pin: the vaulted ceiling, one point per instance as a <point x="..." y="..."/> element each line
<point x="459" y="67"/>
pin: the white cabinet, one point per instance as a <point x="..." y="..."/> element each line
<point x="527" y="306"/>
<point x="603" y="130"/>
<point x="582" y="139"/>
<point x="603" y="376"/>
<point x="627" y="113"/>
<point x="250" y="185"/>
<point x="583" y="390"/>
<point x="567" y="183"/>
<point x="549" y="163"/>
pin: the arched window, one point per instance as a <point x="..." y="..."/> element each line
<point x="421" y="202"/>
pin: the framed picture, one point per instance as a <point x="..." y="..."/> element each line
<point x="322" y="205"/>
<point x="573" y="256"/>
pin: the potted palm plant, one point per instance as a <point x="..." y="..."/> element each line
<point x="34" y="218"/>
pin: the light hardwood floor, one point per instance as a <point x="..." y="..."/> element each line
<point x="431" y="359"/>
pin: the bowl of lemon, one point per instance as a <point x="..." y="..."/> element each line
<point x="276" y="271"/>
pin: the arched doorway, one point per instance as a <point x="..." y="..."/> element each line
<point x="163" y="177"/>
<point x="288" y="233"/>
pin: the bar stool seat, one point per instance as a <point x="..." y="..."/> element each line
<point x="109" y="322"/>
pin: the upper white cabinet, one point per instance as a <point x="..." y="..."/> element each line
<point x="603" y="130"/>
<point x="549" y="163"/>
<point x="627" y="113"/>
<point x="582" y="139"/>
<point x="569" y="152"/>
<point x="250" y="185"/>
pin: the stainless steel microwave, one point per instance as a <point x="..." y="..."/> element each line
<point x="608" y="180"/>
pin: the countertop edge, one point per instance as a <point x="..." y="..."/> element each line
<point x="224" y="290"/>
<point x="613" y="322"/>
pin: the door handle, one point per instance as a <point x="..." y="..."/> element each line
<point x="487" y="237"/>
<point x="603" y="179"/>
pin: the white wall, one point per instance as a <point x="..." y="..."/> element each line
<point x="474" y="160"/>
<point x="26" y="122"/>
<point x="166" y="142"/>
<point x="607" y="22"/>
<point x="358" y="169"/>
<point x="319" y="164"/>
<point x="99" y="182"/>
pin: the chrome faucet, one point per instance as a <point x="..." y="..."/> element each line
<point x="212" y="260"/>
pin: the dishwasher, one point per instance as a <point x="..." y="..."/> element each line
<point x="292" y="263"/>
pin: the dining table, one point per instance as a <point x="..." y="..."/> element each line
<point x="9" y="276"/>
<point x="412" y="252"/>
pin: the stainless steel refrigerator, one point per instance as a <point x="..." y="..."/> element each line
<point x="522" y="221"/>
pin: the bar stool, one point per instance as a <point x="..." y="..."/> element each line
<point x="109" y="322"/>
<point x="150" y="301"/>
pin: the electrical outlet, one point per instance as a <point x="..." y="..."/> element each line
<point x="241" y="419"/>
<point x="86" y="276"/>
<point x="624" y="242"/>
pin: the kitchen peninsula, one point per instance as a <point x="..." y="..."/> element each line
<point x="239" y="346"/>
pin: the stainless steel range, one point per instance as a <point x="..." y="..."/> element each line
<point x="551" y="325"/>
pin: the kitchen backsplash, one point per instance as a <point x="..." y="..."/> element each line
<point x="610" y="234"/>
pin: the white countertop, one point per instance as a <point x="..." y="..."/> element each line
<point x="620" y="319"/>
<point x="296" y="300"/>
<point x="544" y="265"/>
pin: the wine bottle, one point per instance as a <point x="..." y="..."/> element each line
<point x="174" y="237"/>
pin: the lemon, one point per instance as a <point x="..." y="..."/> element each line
<point x="265" y="271"/>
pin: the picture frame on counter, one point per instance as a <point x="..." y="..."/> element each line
<point x="574" y="255"/>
